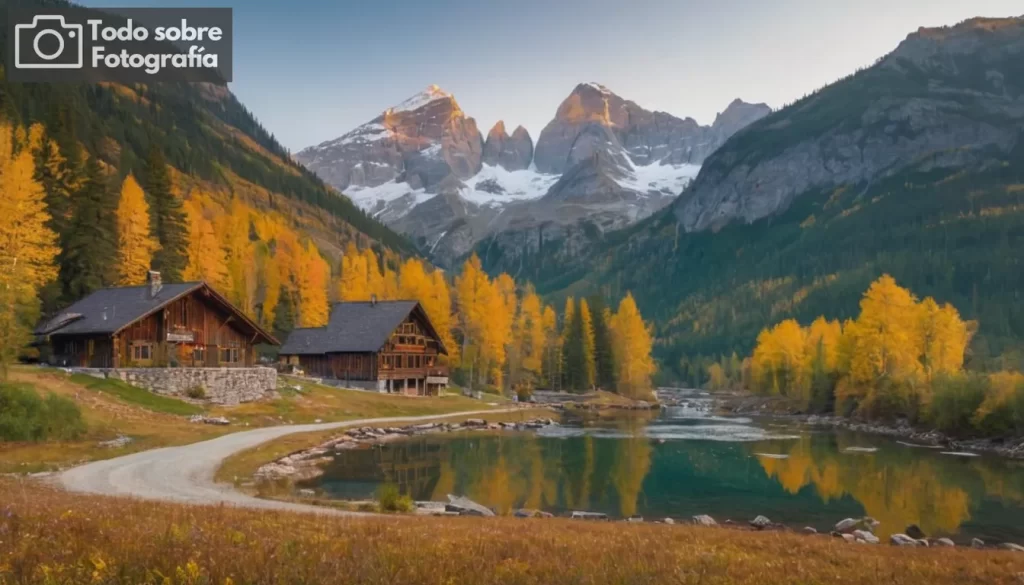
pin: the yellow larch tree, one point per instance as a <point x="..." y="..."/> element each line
<point x="631" y="343"/>
<point x="473" y="292"/>
<point x="588" y="344"/>
<point x="135" y="244"/>
<point x="532" y="334"/>
<point x="312" y="277"/>
<point x="353" y="285"/>
<point x="27" y="247"/>
<point x="439" y="308"/>
<point x="206" y="258"/>
<point x="944" y="338"/>
<point x="886" y="335"/>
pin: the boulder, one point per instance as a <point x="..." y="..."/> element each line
<point x="668" y="521"/>
<point x="977" y="543"/>
<point x="914" y="531"/>
<point x="849" y="537"/>
<point x="845" y="525"/>
<point x="902" y="540"/>
<point x="943" y="542"/>
<point x="865" y="536"/>
<point x="808" y="530"/>
<point x="761" y="522"/>
<point x="579" y="515"/>
<point x="467" y="506"/>
<point x="704" y="520"/>
<point x="1011" y="546"/>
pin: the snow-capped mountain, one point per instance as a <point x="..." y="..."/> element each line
<point x="424" y="168"/>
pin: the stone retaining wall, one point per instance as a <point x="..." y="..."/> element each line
<point x="220" y="385"/>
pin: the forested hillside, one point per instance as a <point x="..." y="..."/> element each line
<point x="223" y="200"/>
<point x="913" y="167"/>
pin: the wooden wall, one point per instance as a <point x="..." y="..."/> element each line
<point x="203" y="334"/>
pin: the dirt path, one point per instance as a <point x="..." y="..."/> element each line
<point x="185" y="474"/>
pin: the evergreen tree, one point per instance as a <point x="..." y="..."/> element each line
<point x="91" y="240"/>
<point x="284" y="314"/>
<point x="170" y="224"/>
<point x="574" y="353"/>
<point x="604" y="361"/>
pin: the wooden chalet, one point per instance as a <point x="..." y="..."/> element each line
<point x="388" y="346"/>
<point x="155" y="325"/>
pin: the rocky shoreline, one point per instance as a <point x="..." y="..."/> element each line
<point x="779" y="409"/>
<point x="307" y="463"/>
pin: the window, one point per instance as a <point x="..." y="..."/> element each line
<point x="229" y="355"/>
<point x="199" y="355"/>
<point x="142" y="353"/>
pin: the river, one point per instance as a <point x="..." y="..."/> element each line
<point x="684" y="461"/>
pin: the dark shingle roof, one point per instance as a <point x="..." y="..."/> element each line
<point x="354" y="327"/>
<point x="108" y="310"/>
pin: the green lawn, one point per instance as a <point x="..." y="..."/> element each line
<point x="137" y="396"/>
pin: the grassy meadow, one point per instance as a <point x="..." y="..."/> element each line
<point x="49" y="536"/>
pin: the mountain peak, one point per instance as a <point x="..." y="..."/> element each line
<point x="498" y="129"/>
<point x="592" y="86"/>
<point x="432" y="94"/>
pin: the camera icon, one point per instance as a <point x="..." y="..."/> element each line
<point x="48" y="43"/>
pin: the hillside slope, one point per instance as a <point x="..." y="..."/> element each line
<point x="914" y="167"/>
<point x="202" y="129"/>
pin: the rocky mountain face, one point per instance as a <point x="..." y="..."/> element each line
<point x="594" y="117"/>
<point x="512" y="153"/>
<point x="945" y="98"/>
<point x="913" y="167"/>
<point x="603" y="162"/>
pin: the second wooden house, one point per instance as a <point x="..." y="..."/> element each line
<point x="387" y="346"/>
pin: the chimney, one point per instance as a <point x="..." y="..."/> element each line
<point x="373" y="300"/>
<point x="155" y="283"/>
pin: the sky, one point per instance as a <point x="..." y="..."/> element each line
<point x="311" y="70"/>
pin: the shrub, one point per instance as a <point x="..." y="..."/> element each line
<point x="955" y="400"/>
<point x="24" y="416"/>
<point x="392" y="500"/>
<point x="196" y="393"/>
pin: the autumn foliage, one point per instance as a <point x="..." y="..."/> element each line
<point x="901" y="357"/>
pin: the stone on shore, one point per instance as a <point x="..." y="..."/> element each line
<point x="1011" y="546"/>
<point x="865" y="536"/>
<point x="761" y="522"/>
<point x="943" y="542"/>
<point x="902" y="540"/>
<point x="809" y="530"/>
<point x="467" y="507"/>
<point x="579" y="515"/>
<point x="977" y="543"/>
<point x="704" y="520"/>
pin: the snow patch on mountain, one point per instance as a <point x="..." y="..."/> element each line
<point x="667" y="179"/>
<point x="421" y="99"/>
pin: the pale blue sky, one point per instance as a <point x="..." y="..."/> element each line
<point x="313" y="69"/>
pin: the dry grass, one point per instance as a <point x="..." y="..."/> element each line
<point x="109" y="415"/>
<point x="242" y="465"/>
<point x="47" y="536"/>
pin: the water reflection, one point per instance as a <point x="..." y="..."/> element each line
<point x="630" y="465"/>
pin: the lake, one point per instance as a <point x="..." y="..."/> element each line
<point x="683" y="461"/>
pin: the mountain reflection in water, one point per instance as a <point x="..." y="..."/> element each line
<point x="682" y="462"/>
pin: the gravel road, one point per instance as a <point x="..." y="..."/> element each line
<point x="185" y="473"/>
